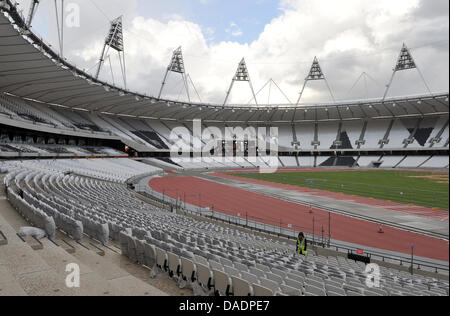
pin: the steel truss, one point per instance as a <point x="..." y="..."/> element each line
<point x="315" y="74"/>
<point x="242" y="75"/>
<point x="177" y="66"/>
<point x="405" y="61"/>
<point x="114" y="40"/>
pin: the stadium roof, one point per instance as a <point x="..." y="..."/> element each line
<point x="29" y="68"/>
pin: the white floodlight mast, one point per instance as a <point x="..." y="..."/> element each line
<point x="114" y="40"/>
<point x="241" y="75"/>
<point x="315" y="74"/>
<point x="176" y="65"/>
<point x="405" y="61"/>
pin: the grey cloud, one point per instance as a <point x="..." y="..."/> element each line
<point x="283" y="52"/>
<point x="429" y="9"/>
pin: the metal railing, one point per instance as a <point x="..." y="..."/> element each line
<point x="417" y="264"/>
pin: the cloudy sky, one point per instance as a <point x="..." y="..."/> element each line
<point x="278" y="38"/>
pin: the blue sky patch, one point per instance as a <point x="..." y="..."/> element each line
<point x="221" y="20"/>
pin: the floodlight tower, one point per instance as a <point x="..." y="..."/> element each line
<point x="177" y="66"/>
<point x="242" y="75"/>
<point x="315" y="74"/>
<point x="114" y="40"/>
<point x="405" y="62"/>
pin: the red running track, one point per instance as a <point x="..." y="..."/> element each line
<point x="343" y="228"/>
<point x="441" y="215"/>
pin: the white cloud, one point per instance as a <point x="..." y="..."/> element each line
<point x="349" y="37"/>
<point x="234" y="30"/>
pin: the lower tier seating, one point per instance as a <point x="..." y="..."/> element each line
<point x="210" y="258"/>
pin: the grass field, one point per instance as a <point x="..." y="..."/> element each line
<point x="419" y="188"/>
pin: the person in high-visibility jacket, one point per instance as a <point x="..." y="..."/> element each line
<point x="302" y="245"/>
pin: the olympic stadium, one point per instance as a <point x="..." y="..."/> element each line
<point x="148" y="196"/>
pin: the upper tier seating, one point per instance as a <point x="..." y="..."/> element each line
<point x="305" y="136"/>
<point x="47" y="150"/>
<point x="379" y="133"/>
<point x="289" y="161"/>
<point x="80" y="120"/>
<point x="285" y="137"/>
<point x="437" y="162"/>
<point x="26" y="111"/>
<point x="327" y="135"/>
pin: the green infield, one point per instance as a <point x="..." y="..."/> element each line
<point x="418" y="188"/>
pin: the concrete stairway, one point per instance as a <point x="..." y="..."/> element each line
<point x="103" y="271"/>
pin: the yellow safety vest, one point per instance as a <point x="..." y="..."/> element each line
<point x="301" y="247"/>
